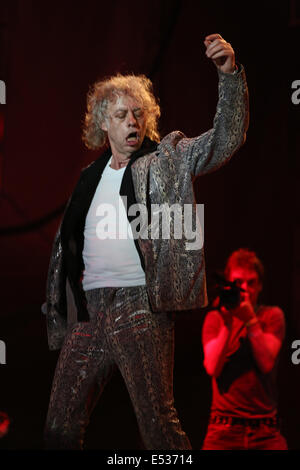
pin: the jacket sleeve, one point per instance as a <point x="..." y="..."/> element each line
<point x="214" y="148"/>
<point x="56" y="307"/>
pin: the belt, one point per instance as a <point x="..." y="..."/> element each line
<point x="252" y="422"/>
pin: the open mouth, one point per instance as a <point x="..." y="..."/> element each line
<point x="132" y="138"/>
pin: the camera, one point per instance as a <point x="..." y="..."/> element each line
<point x="228" y="293"/>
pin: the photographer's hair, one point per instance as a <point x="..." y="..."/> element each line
<point x="245" y="258"/>
<point x="108" y="90"/>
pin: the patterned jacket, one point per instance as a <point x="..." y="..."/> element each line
<point x="157" y="174"/>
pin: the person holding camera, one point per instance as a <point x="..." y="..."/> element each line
<point x="241" y="341"/>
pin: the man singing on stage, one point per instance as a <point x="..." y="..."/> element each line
<point x="109" y="295"/>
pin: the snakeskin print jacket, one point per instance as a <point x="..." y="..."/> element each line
<point x="157" y="174"/>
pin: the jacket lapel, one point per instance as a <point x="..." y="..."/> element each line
<point x="127" y="186"/>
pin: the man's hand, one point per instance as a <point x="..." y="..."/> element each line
<point x="245" y="311"/>
<point x="227" y="316"/>
<point x="220" y="52"/>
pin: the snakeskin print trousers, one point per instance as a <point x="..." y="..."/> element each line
<point x="122" y="332"/>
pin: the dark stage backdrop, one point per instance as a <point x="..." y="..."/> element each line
<point x="50" y="53"/>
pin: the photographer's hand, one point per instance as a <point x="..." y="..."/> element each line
<point x="227" y="316"/>
<point x="265" y="346"/>
<point x="245" y="311"/>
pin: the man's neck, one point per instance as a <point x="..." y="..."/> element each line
<point x="118" y="162"/>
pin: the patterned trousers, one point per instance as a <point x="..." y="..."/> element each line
<point x="122" y="332"/>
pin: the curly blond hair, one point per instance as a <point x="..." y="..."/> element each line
<point x="104" y="91"/>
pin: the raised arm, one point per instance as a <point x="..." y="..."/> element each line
<point x="215" y="147"/>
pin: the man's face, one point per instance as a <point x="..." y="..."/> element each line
<point x="125" y="125"/>
<point x="248" y="280"/>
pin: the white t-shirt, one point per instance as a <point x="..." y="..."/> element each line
<point x="109" y="253"/>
